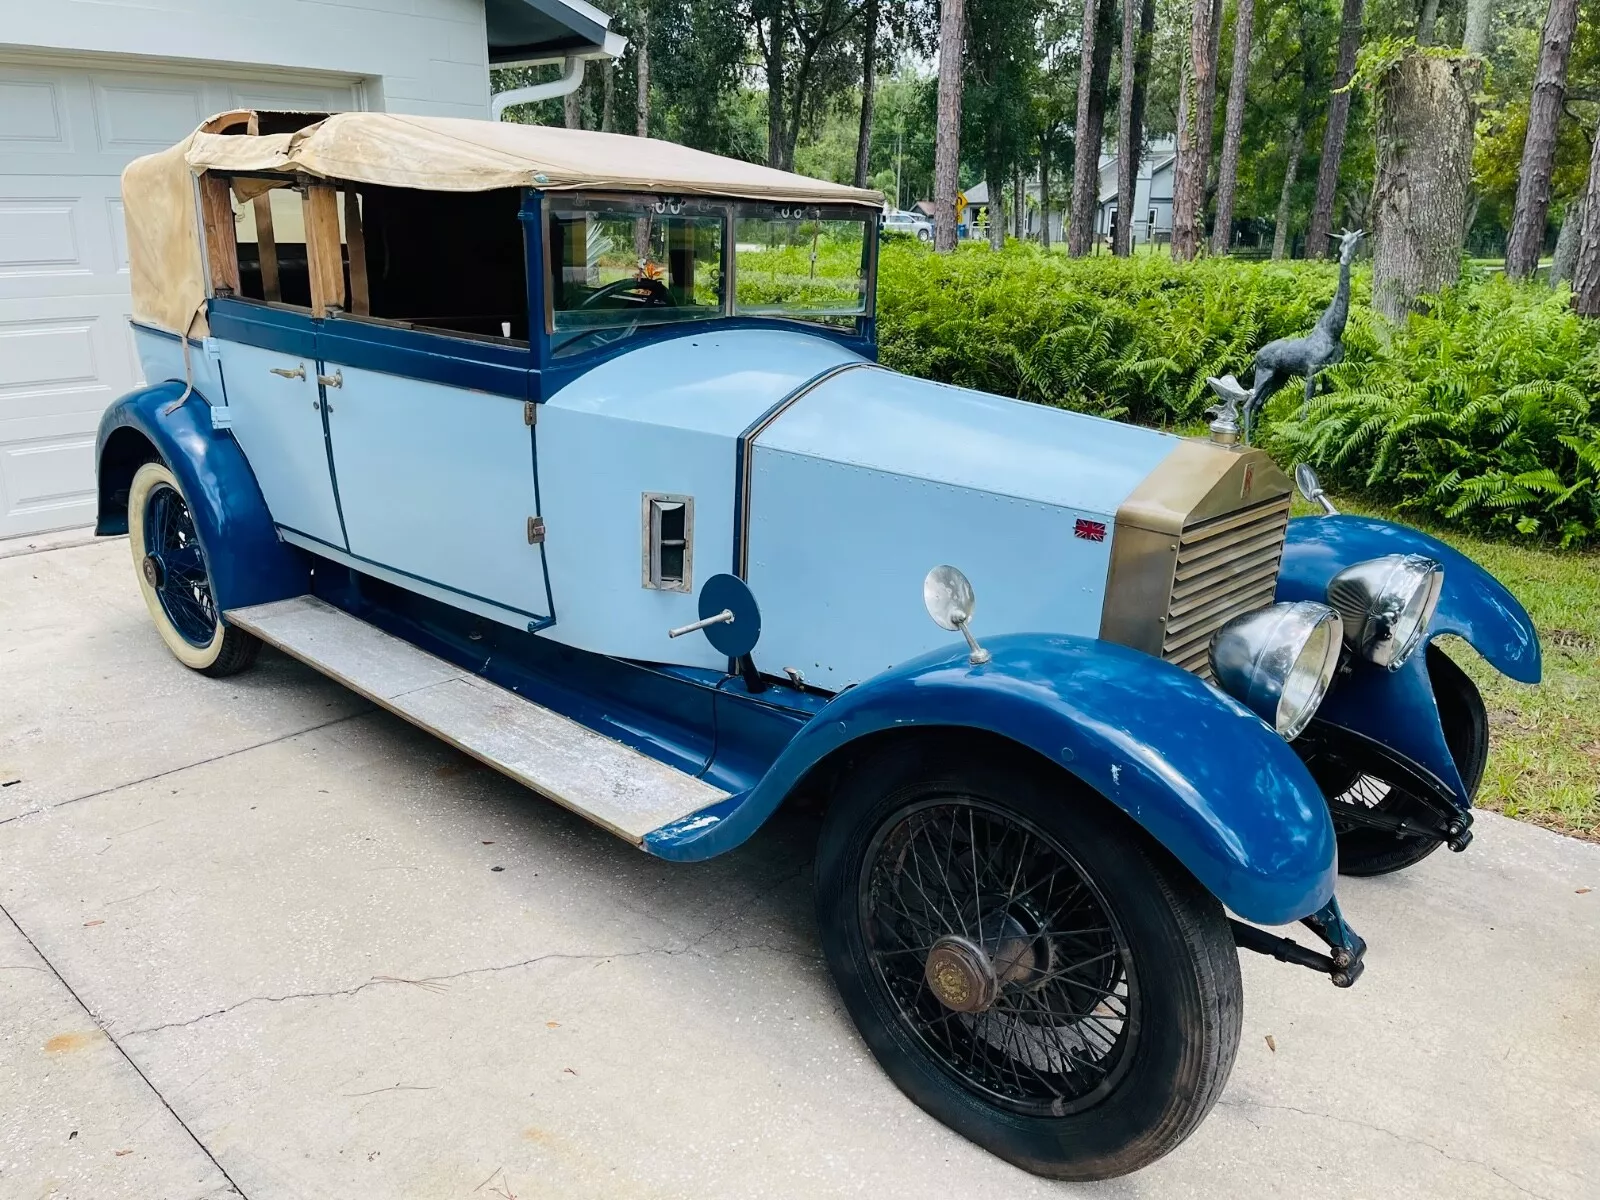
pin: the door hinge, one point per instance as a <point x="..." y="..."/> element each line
<point x="530" y="413"/>
<point x="535" y="531"/>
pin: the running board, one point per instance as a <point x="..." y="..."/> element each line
<point x="597" y="777"/>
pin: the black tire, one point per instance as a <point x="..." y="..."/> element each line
<point x="175" y="579"/>
<point x="1366" y="851"/>
<point x="1164" y="1059"/>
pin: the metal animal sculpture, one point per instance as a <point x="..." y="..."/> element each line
<point x="1278" y="361"/>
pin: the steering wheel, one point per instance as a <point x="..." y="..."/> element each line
<point x="656" y="294"/>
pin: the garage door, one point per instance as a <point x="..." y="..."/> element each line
<point x="66" y="132"/>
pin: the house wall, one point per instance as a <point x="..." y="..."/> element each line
<point x="428" y="57"/>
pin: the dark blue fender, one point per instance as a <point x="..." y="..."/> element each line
<point x="1396" y="708"/>
<point x="1199" y="771"/>
<point x="248" y="564"/>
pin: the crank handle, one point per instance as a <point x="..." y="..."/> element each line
<point x="723" y="617"/>
<point x="297" y="373"/>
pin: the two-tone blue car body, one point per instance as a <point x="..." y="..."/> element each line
<point x="572" y="449"/>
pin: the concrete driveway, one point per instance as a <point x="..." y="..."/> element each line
<point x="261" y="940"/>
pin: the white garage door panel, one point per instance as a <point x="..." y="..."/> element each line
<point x="66" y="132"/>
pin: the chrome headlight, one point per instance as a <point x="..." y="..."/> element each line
<point x="1279" y="661"/>
<point x="1386" y="604"/>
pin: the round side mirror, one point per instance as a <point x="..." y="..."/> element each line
<point x="1310" y="487"/>
<point x="947" y="594"/>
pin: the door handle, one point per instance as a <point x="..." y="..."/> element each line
<point x="298" y="373"/>
<point x="334" y="380"/>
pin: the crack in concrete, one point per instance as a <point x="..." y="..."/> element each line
<point x="1401" y="1137"/>
<point x="425" y="981"/>
<point x="122" y="1052"/>
<point x="106" y="791"/>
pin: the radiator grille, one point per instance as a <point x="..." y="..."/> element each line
<point x="1226" y="566"/>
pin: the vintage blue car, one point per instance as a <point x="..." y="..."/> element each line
<point x="572" y="449"/>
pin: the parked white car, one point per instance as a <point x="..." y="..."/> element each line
<point x="915" y="224"/>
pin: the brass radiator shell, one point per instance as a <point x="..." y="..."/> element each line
<point x="1197" y="543"/>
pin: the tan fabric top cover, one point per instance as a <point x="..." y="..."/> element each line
<point x="445" y="154"/>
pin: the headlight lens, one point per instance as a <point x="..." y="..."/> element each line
<point x="1386" y="604"/>
<point x="1279" y="661"/>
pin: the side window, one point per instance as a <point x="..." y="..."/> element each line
<point x="450" y="262"/>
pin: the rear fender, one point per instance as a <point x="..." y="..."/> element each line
<point x="1397" y="708"/>
<point x="1197" y="770"/>
<point x="247" y="562"/>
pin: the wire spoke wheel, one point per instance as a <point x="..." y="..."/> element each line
<point x="175" y="567"/>
<point x="999" y="955"/>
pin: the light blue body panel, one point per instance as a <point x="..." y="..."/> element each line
<point x="278" y="422"/>
<point x="1397" y="708"/>
<point x="437" y="483"/>
<point x="1200" y="772"/>
<point x="665" y="418"/>
<point x="873" y="478"/>
<point x="161" y="358"/>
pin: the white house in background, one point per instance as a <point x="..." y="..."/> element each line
<point x="1152" y="194"/>
<point x="1152" y="201"/>
<point x="87" y="85"/>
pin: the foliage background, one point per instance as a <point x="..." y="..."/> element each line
<point x="1477" y="415"/>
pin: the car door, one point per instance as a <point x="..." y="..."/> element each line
<point x="426" y="395"/>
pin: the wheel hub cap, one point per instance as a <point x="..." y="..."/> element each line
<point x="960" y="975"/>
<point x="151" y="568"/>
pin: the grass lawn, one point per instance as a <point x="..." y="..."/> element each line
<point x="1544" y="753"/>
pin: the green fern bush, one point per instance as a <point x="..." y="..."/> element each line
<point x="1477" y="414"/>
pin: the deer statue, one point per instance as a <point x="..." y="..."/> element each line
<point x="1277" y="361"/>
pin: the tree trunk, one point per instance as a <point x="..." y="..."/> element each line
<point x="1085" y="154"/>
<point x="1319" y="231"/>
<point x="1424" y="130"/>
<point x="1586" y="272"/>
<point x="776" y="45"/>
<point x="1566" y="256"/>
<point x="1130" y="118"/>
<point x="642" y="45"/>
<point x="1426" y="22"/>
<point x="1291" y="171"/>
<point x="869" y="78"/>
<point x="1475" y="39"/>
<point x="1233" y="126"/>
<point x="607" y="97"/>
<point x="1196" y="97"/>
<point x="572" y="109"/>
<point x="947" y="136"/>
<point x="996" y="213"/>
<point x="1044" y="193"/>
<point x="1019" y="191"/>
<point x="1539" y="147"/>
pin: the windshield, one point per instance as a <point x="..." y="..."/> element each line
<point x="794" y="262"/>
<point x="615" y="266"/>
<point x="622" y="263"/>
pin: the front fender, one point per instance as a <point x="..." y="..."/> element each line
<point x="1473" y="603"/>
<point x="1397" y="708"/>
<point x="247" y="563"/>
<point x="1200" y="772"/>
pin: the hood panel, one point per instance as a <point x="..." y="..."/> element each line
<point x="905" y="426"/>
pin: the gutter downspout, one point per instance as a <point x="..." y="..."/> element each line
<point x="570" y="81"/>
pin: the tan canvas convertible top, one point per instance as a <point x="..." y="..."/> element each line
<point x="429" y="153"/>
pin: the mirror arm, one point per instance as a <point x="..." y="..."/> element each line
<point x="979" y="655"/>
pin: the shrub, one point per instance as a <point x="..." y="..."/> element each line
<point x="1477" y="413"/>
